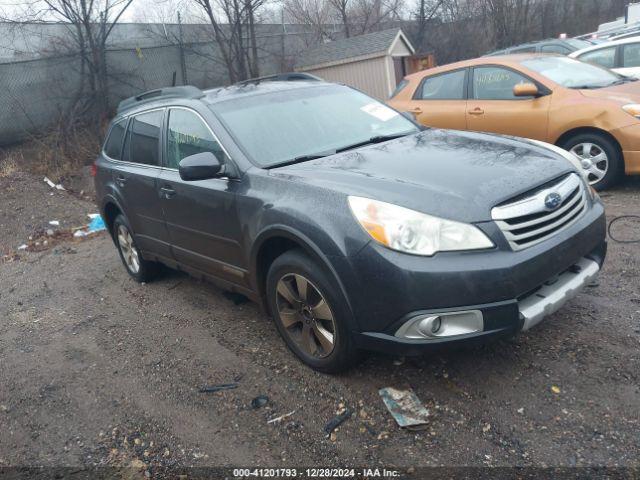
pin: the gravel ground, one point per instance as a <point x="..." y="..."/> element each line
<point x="98" y="370"/>
<point x="28" y="204"/>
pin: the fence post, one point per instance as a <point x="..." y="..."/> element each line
<point x="183" y="63"/>
<point x="283" y="38"/>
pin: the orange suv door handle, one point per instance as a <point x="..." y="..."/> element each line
<point x="476" y="111"/>
<point x="415" y="110"/>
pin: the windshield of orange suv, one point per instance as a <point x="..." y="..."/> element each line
<point x="572" y="73"/>
<point x="300" y="124"/>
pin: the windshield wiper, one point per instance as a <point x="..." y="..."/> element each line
<point x="376" y="139"/>
<point x="620" y="81"/>
<point x="587" y="87"/>
<point x="326" y="153"/>
<point x="303" y="158"/>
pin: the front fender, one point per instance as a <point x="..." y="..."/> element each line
<point x="310" y="247"/>
<point x="112" y="197"/>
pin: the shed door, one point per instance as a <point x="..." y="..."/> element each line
<point x="399" y="69"/>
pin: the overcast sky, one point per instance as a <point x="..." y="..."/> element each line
<point x="140" y="10"/>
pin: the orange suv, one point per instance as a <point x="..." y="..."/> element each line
<point x="588" y="110"/>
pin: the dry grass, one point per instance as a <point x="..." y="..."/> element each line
<point x="9" y="163"/>
<point x="59" y="154"/>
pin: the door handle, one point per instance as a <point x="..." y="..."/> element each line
<point x="121" y="180"/>
<point x="167" y="191"/>
<point x="415" y="110"/>
<point x="476" y="111"/>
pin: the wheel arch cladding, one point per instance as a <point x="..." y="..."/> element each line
<point x="566" y="136"/>
<point x="111" y="211"/>
<point x="272" y="243"/>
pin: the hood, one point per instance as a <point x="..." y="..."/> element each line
<point x="451" y="174"/>
<point x="622" y="94"/>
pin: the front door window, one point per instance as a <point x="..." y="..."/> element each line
<point x="189" y="135"/>
<point x="495" y="83"/>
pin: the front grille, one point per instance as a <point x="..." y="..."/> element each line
<point x="529" y="220"/>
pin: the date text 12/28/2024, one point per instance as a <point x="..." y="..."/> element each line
<point x="315" y="473"/>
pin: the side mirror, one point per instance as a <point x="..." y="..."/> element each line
<point x="526" y="90"/>
<point x="200" y="166"/>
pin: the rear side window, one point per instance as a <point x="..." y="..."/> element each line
<point x="531" y="49"/>
<point x="494" y="83"/>
<point x="555" y="49"/>
<point x="113" y="145"/>
<point x="631" y="55"/>
<point x="142" y="144"/>
<point x="448" y="86"/>
<point x="189" y="135"/>
<point x="605" y="57"/>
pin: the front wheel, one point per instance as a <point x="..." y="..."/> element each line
<point x="310" y="313"/>
<point x="601" y="160"/>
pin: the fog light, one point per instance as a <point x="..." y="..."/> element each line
<point x="442" y="325"/>
<point x="429" y="326"/>
<point x="435" y="325"/>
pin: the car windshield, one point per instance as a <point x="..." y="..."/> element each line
<point x="300" y="124"/>
<point x="572" y="73"/>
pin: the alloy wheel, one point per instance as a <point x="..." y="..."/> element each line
<point x="128" y="249"/>
<point x="594" y="160"/>
<point x="305" y="315"/>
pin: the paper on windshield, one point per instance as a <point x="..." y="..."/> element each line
<point x="379" y="111"/>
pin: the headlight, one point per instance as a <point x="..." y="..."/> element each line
<point x="413" y="232"/>
<point x="632" y="109"/>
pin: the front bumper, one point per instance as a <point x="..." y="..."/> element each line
<point x="631" y="162"/>
<point x="629" y="139"/>
<point x="500" y="319"/>
<point x="501" y="284"/>
<point x="555" y="293"/>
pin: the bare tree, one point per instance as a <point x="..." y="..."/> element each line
<point x="425" y="12"/>
<point x="313" y="13"/>
<point x="358" y="17"/>
<point x="89" y="24"/>
<point x="342" y="9"/>
<point x="233" y="26"/>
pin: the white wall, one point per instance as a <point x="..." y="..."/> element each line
<point x="371" y="76"/>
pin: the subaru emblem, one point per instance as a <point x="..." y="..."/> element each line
<point x="552" y="201"/>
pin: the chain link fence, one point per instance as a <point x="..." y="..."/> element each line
<point x="35" y="93"/>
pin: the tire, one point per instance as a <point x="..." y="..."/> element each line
<point x="600" y="144"/>
<point x="305" y="325"/>
<point x="146" y="270"/>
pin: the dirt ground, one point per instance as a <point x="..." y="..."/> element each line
<point x="98" y="370"/>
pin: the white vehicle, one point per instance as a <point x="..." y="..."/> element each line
<point x="621" y="56"/>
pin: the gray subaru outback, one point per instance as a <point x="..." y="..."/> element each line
<point x="354" y="228"/>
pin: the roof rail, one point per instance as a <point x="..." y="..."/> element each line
<point x="186" y="91"/>
<point x="282" y="77"/>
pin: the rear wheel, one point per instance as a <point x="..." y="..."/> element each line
<point x="139" y="268"/>
<point x="310" y="313"/>
<point x="601" y="160"/>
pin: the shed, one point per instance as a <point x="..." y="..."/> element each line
<point x="373" y="63"/>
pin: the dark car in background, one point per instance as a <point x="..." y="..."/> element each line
<point x="355" y="228"/>
<point x="563" y="46"/>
